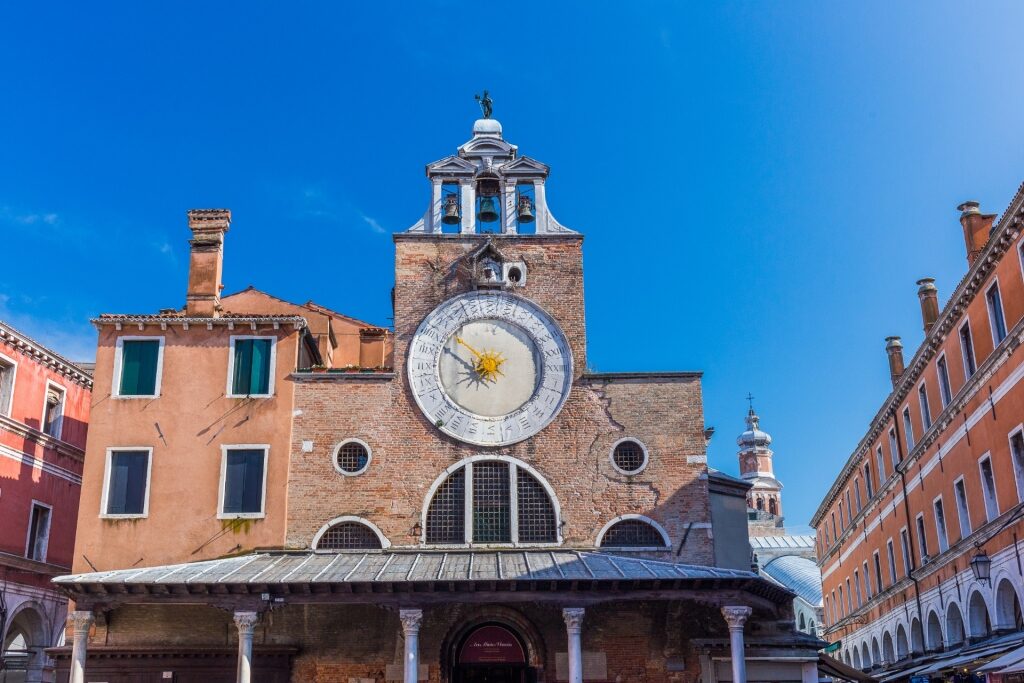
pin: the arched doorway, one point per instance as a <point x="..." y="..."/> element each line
<point x="492" y="653"/>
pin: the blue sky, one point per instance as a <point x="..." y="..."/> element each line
<point x="760" y="184"/>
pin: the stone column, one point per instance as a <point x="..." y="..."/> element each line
<point x="81" y="621"/>
<point x="809" y="672"/>
<point x="436" y="205"/>
<point x="246" y="623"/>
<point x="411" y="619"/>
<point x="736" y="617"/>
<point x="540" y="206"/>
<point x="508" y="216"/>
<point x="573" y="626"/>
<point x="467" y="192"/>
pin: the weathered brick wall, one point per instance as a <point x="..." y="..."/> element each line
<point x="572" y="453"/>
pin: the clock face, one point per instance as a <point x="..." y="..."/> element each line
<point x="489" y="368"/>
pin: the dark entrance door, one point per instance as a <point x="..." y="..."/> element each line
<point x="492" y="654"/>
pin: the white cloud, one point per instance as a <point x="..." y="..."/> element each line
<point x="373" y="223"/>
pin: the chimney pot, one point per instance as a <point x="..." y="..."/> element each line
<point x="977" y="227"/>
<point x="894" y="348"/>
<point x="929" y="296"/>
<point x="206" y="261"/>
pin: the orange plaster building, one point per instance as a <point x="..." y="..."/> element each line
<point x="918" y="536"/>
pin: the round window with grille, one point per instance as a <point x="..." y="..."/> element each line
<point x="352" y="457"/>
<point x="629" y="456"/>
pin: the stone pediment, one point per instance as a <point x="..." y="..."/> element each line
<point x="525" y="166"/>
<point x="487" y="147"/>
<point x="452" y="166"/>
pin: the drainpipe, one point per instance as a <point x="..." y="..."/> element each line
<point x="911" y="530"/>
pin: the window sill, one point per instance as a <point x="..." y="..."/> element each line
<point x="488" y="546"/>
<point x="250" y="395"/>
<point x="635" y="549"/>
<point x="129" y="397"/>
<point x="241" y="515"/>
<point x="109" y="516"/>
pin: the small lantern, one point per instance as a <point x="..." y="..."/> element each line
<point x="981" y="565"/>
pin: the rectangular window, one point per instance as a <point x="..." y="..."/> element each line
<point x="922" y="540"/>
<point x="53" y="410"/>
<point x="1017" y="454"/>
<point x="894" y="448"/>
<point x="867" y="481"/>
<point x="967" y="349"/>
<point x="960" y="494"/>
<point x="891" y="554"/>
<point x="842" y="519"/>
<point x="8" y="370"/>
<point x="243" y="481"/>
<point x="908" y="429"/>
<point x="828" y="539"/>
<point x="849" y="597"/>
<point x="942" y="371"/>
<point x="988" y="487"/>
<point x="881" y="465"/>
<point x="835" y="533"/>
<point x="856" y="494"/>
<point x="126" y="490"/>
<point x="38" y="532"/>
<point x="251" y="366"/>
<point x="926" y="413"/>
<point x="878" y="573"/>
<point x="849" y="508"/>
<point x="908" y="561"/>
<point x="138" y="362"/>
<point x="842" y="603"/>
<point x="995" y="313"/>
<point x="856" y="585"/>
<point x="940" y="525"/>
<point x="867" y="581"/>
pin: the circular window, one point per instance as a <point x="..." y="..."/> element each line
<point x="352" y="457"/>
<point x="629" y="456"/>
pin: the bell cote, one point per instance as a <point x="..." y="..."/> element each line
<point x="487" y="188"/>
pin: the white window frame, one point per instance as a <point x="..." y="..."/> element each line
<point x="963" y="513"/>
<point x="643" y="465"/>
<point x="658" y="527"/>
<point x="908" y="564"/>
<point x="857" y="495"/>
<point x="922" y="541"/>
<point x="856" y="584"/>
<point x="1018" y="464"/>
<point x="115" y="387"/>
<point x="991" y="501"/>
<point x="356" y="473"/>
<point x="63" y="405"/>
<point x="923" y="404"/>
<point x="14" y="380"/>
<point x="890" y="556"/>
<point x="28" y="533"/>
<point x="880" y="463"/>
<point x="869" y="487"/>
<point x="106" y="482"/>
<point x="223" y="480"/>
<point x="231" y="365"/>
<point x="894" y="449"/>
<point x="944" y="387"/>
<point x="908" y="429"/>
<point x="968" y="373"/>
<point x="384" y="542"/>
<point x="877" y="558"/>
<point x="942" y="535"/>
<point x="842" y="520"/>
<point x="867" y="581"/>
<point x="1002" y="312"/>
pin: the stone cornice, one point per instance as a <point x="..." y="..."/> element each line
<point x="44" y="356"/>
<point x="639" y="376"/>
<point x="1003" y="235"/>
<point x="17" y="563"/>
<point x="252" y="322"/>
<point x="43" y="439"/>
<point x="435" y="236"/>
<point x="331" y="377"/>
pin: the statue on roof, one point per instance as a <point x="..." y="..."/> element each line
<point x="486" y="104"/>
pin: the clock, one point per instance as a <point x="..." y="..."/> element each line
<point x="489" y="368"/>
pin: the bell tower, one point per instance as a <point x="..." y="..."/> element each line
<point x="756" y="467"/>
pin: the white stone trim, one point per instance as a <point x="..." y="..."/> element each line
<point x="63" y="405"/>
<point x="28" y="532"/>
<point x="115" y="386"/>
<point x="968" y="373"/>
<point x="231" y="365"/>
<point x="1002" y="312"/>
<point x="106" y="482"/>
<point x="987" y="455"/>
<point x="223" y="480"/>
<point x="384" y="542"/>
<point x="337" y="448"/>
<point x="40" y="464"/>
<point x="643" y="465"/>
<point x="14" y="380"/>
<point x="642" y="518"/>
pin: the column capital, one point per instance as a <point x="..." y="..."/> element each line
<point x="411" y="619"/>
<point x="81" y="621"/>
<point x="736" y="616"/>
<point x="246" y="622"/>
<point x="573" y="617"/>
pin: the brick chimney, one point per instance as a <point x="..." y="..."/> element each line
<point x="977" y="226"/>
<point x="929" y="296"/>
<point x="894" y="347"/>
<point x="206" y="262"/>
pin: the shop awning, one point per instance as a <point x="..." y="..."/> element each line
<point x="1006" y="661"/>
<point x="836" y="669"/>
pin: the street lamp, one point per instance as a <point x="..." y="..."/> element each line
<point x="981" y="565"/>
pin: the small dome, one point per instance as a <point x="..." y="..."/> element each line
<point x="799" y="574"/>
<point x="753" y="437"/>
<point x="487" y="128"/>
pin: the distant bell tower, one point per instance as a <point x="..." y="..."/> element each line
<point x="756" y="467"/>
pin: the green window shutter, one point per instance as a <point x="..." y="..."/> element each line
<point x="260" y="377"/>
<point x="243" y="367"/>
<point x="252" y="367"/>
<point x="138" y="367"/>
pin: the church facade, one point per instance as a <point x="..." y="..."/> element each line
<point x="457" y="499"/>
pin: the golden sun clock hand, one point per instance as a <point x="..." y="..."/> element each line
<point x="488" y="363"/>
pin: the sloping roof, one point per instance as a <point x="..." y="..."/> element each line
<point x="798" y="574"/>
<point x="794" y="542"/>
<point x="568" y="568"/>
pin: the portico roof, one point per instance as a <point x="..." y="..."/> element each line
<point x="372" y="573"/>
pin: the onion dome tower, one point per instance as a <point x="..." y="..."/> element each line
<point x="756" y="467"/>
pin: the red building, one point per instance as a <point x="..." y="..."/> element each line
<point x="44" y="415"/>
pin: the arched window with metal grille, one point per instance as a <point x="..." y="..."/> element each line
<point x="347" y="533"/>
<point x="632" y="531"/>
<point x="491" y="501"/>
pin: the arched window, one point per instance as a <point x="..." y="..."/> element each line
<point x="902" y="646"/>
<point x="934" y="632"/>
<point x="349" y="533"/>
<point x="1008" y="613"/>
<point x="916" y="637"/>
<point x="865" y="657"/>
<point x="977" y="613"/>
<point x="888" y="652"/>
<point x="760" y="503"/>
<point x="773" y="507"/>
<point x="632" y="531"/>
<point x="876" y="653"/>
<point x="856" y="657"/>
<point x="500" y="491"/>
<point x="954" y="625"/>
<point x="803" y="622"/>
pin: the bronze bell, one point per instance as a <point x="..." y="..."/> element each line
<point x="488" y="210"/>
<point x="451" y="210"/>
<point x="525" y="209"/>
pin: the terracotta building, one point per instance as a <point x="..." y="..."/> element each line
<point x="918" y="535"/>
<point x="466" y="503"/>
<point x="44" y="413"/>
